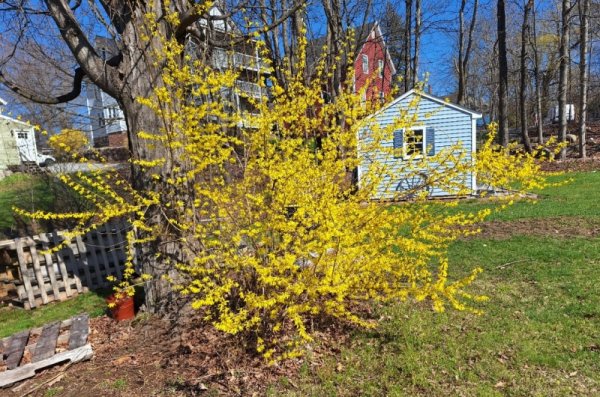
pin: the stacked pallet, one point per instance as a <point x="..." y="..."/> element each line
<point x="82" y="264"/>
<point x="24" y="353"/>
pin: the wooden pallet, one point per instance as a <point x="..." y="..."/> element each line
<point x="82" y="264"/>
<point x="26" y="352"/>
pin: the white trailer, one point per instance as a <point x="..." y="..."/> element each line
<point x="25" y="138"/>
<point x="554" y="112"/>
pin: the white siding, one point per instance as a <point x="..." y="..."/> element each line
<point x="105" y="115"/>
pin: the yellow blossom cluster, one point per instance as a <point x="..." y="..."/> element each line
<point x="68" y="141"/>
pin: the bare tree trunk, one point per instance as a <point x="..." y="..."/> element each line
<point x="333" y="13"/>
<point x="415" y="71"/>
<point x="584" y="9"/>
<point x="287" y="45"/>
<point x="407" y="47"/>
<point x="524" y="76"/>
<point x="564" y="69"/>
<point x="502" y="74"/>
<point x="464" y="54"/>
<point x="538" y="93"/>
<point x="460" y="96"/>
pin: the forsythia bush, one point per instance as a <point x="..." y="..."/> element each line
<point x="67" y="142"/>
<point x="272" y="232"/>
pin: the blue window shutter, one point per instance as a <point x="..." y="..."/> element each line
<point x="398" y="142"/>
<point x="430" y="140"/>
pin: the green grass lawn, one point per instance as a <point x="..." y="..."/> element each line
<point x="539" y="336"/>
<point x="29" y="192"/>
<point x="14" y="319"/>
<point x="579" y="197"/>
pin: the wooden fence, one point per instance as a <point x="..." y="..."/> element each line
<point x="84" y="263"/>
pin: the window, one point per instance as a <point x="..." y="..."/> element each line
<point x="380" y="67"/>
<point x="113" y="112"/>
<point x="365" y="63"/>
<point x="417" y="141"/>
<point x="414" y="142"/>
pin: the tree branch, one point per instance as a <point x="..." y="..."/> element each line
<point x="47" y="100"/>
<point x="99" y="72"/>
<point x="189" y="18"/>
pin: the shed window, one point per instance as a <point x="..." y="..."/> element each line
<point x="414" y="142"/>
<point x="365" y="63"/>
<point x="380" y="67"/>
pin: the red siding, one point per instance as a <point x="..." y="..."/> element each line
<point x="374" y="48"/>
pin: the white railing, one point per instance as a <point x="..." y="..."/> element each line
<point x="250" y="89"/>
<point x="223" y="59"/>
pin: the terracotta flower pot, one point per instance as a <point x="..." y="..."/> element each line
<point x="123" y="308"/>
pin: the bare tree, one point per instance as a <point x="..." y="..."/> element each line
<point x="407" y="47"/>
<point x="464" y="53"/>
<point x="393" y="30"/>
<point x="415" y="63"/>
<point x="335" y="42"/>
<point x="566" y="8"/>
<point x="282" y="39"/>
<point x="536" y="71"/>
<point x="502" y="73"/>
<point x="524" y="76"/>
<point x="584" y="9"/>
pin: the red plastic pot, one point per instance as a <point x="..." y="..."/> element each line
<point x="123" y="308"/>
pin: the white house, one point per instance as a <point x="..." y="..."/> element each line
<point x="107" y="125"/>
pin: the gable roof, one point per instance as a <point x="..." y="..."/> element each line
<point x="379" y="34"/>
<point x="432" y="98"/>
<point x="314" y="50"/>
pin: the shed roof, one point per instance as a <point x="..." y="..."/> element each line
<point x="3" y="117"/>
<point x="433" y="98"/>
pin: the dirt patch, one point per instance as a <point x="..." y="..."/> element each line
<point x="557" y="227"/>
<point x="152" y="359"/>
<point x="573" y="165"/>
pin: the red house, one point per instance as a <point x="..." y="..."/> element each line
<point x="373" y="66"/>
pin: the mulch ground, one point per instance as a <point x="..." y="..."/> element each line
<point x="555" y="227"/>
<point x="149" y="358"/>
<point x="573" y="165"/>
